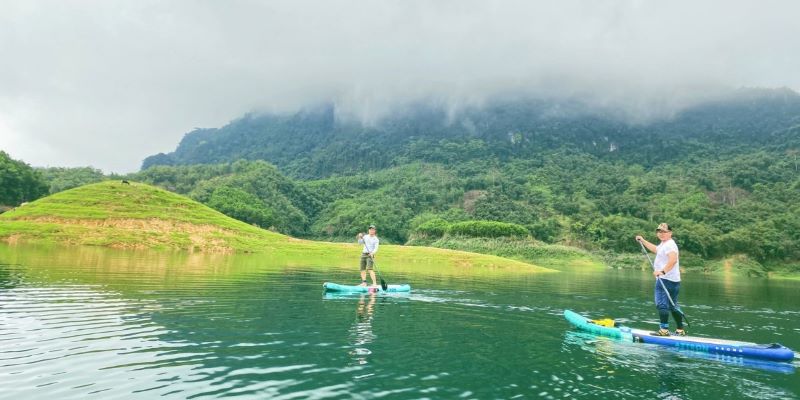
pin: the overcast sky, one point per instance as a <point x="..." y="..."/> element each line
<point x="107" y="83"/>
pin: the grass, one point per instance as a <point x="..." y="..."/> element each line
<point x="786" y="270"/>
<point x="525" y="250"/>
<point x="791" y="276"/>
<point x="139" y="216"/>
<point x="737" y="264"/>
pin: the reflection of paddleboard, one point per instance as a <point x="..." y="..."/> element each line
<point x="334" y="287"/>
<point x="592" y="342"/>
<point x="774" y="352"/>
<point x="356" y="295"/>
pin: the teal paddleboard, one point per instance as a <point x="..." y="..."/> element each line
<point x="335" y="287"/>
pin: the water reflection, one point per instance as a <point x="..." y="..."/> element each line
<point x="361" y="334"/>
<point x="145" y="325"/>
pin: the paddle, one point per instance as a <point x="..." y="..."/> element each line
<point x="384" y="286"/>
<point x="658" y="278"/>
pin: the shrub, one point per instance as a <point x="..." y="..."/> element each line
<point x="487" y="229"/>
<point x="241" y="205"/>
<point x="434" y="228"/>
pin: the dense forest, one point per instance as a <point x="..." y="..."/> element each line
<point x="725" y="174"/>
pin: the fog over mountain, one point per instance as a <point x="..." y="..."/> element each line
<point x="106" y="83"/>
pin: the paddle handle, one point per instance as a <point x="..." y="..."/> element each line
<point x="646" y="254"/>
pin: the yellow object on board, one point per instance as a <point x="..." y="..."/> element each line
<point x="607" y="322"/>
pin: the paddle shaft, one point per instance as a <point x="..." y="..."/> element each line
<point x="658" y="278"/>
<point x="384" y="286"/>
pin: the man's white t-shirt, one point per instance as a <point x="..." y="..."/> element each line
<point x="662" y="257"/>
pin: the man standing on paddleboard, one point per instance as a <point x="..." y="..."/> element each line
<point x="370" y="242"/>
<point x="666" y="270"/>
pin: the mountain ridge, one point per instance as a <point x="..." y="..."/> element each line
<point x="315" y="143"/>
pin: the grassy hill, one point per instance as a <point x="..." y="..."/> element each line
<point x="139" y="216"/>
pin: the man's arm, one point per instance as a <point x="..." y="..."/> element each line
<point x="647" y="244"/>
<point x="672" y="259"/>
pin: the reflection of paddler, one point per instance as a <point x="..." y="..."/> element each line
<point x="361" y="332"/>
<point x="365" y="309"/>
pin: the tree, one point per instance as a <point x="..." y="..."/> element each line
<point x="60" y="179"/>
<point x="19" y="182"/>
<point x="241" y="205"/>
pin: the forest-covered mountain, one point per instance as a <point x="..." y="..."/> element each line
<point x="314" y="143"/>
<point x="725" y="173"/>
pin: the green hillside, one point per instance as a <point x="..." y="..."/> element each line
<point x="138" y="216"/>
<point x="114" y="214"/>
<point x="724" y="173"/>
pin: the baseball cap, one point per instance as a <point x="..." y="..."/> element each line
<point x="663" y="227"/>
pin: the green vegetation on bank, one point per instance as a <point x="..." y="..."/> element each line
<point x="136" y="215"/>
<point x="490" y="229"/>
<point x="724" y="174"/>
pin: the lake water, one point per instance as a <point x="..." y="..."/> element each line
<point x="94" y="323"/>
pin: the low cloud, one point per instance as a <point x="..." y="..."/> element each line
<point x="107" y="83"/>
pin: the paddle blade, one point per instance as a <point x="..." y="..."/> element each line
<point x="384" y="286"/>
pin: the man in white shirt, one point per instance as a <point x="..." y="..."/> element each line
<point x="666" y="268"/>
<point x="370" y="242"/>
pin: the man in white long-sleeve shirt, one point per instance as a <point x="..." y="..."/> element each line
<point x="370" y="242"/>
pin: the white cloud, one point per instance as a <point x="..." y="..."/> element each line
<point x="107" y="83"/>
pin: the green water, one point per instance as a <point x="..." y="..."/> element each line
<point x="93" y="323"/>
